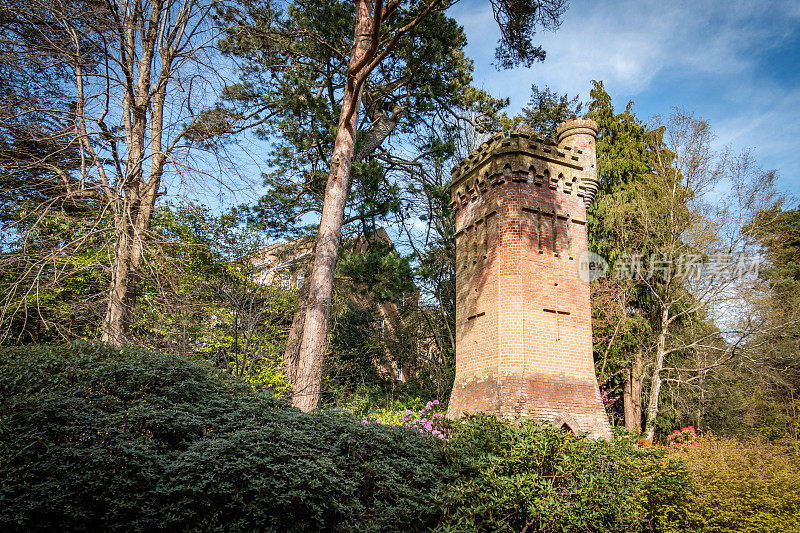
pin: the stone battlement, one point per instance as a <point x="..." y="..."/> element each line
<point x="521" y="157"/>
<point x="516" y="141"/>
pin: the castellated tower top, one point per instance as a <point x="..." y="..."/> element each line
<point x="574" y="153"/>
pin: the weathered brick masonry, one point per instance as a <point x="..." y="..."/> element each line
<point x="523" y="316"/>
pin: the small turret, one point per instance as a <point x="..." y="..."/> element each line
<point x="581" y="135"/>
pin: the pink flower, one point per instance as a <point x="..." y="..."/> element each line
<point x="435" y="402"/>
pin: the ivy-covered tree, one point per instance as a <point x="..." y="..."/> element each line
<point x="620" y="306"/>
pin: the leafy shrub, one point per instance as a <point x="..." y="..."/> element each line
<point x="98" y="438"/>
<point x="369" y="400"/>
<point x="429" y="420"/>
<point x="749" y="486"/>
<point x="269" y="373"/>
<point x="526" y="476"/>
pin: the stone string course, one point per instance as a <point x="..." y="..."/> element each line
<point x="523" y="316"/>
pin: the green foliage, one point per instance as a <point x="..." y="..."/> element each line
<point x="296" y="84"/>
<point x="407" y="410"/>
<point x="376" y="270"/>
<point x="267" y="372"/>
<point x="357" y="351"/>
<point x="394" y="412"/>
<point x="518" y="476"/>
<point x="617" y="334"/>
<point x="94" y="437"/>
<point x="746" y="486"/>
<point x="622" y="161"/>
<point x="547" y="109"/>
<point x="200" y="295"/>
<point x="98" y="438"/>
<point x="54" y="272"/>
<point x="518" y="22"/>
<point x="386" y="407"/>
<point x="776" y="397"/>
<point x="779" y="233"/>
<point x="622" y="152"/>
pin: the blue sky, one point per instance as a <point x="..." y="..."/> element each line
<point x="735" y="64"/>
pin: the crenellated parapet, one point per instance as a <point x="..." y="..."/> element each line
<point x="568" y="165"/>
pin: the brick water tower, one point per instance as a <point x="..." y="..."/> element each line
<point x="523" y="315"/>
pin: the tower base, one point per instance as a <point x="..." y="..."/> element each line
<point x="561" y="400"/>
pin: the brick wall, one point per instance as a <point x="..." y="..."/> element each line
<point x="523" y="316"/>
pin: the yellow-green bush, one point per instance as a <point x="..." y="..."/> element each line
<point x="749" y="486"/>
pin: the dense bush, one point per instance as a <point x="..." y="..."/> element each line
<point x="97" y="438"/>
<point x="533" y="477"/>
<point x="742" y="486"/>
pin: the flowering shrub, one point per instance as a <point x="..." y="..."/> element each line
<point x="426" y="421"/>
<point x="684" y="437"/>
<point x="391" y="413"/>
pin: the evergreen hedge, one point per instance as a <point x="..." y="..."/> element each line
<point x="529" y="476"/>
<point x="99" y="438"/>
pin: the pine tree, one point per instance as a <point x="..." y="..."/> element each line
<point x="385" y="45"/>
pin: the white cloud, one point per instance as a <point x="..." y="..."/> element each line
<point x="628" y="44"/>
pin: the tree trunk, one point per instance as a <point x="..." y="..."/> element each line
<point x="291" y="354"/>
<point x="128" y="255"/>
<point x="632" y="395"/>
<point x="113" y="326"/>
<point x="655" y="385"/>
<point x="320" y="285"/>
<point x="135" y="214"/>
